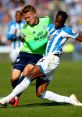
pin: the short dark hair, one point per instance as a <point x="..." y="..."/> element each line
<point x="63" y="14"/>
<point x="28" y="8"/>
<point x="18" y="12"/>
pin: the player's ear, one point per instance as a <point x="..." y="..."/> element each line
<point x="35" y="15"/>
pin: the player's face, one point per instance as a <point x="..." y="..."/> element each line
<point x="18" y="17"/>
<point x="30" y="18"/>
<point x="59" y="22"/>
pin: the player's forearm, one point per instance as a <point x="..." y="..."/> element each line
<point x="79" y="38"/>
<point x="34" y="45"/>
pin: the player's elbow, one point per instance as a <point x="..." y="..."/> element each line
<point x="33" y="48"/>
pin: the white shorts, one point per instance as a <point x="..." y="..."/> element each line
<point x="48" y="64"/>
<point x="14" y="54"/>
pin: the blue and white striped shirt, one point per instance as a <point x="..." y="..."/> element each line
<point x="57" y="38"/>
<point x="13" y="25"/>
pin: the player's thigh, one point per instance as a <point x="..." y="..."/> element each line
<point x="41" y="86"/>
<point x="28" y="69"/>
<point x="15" y="74"/>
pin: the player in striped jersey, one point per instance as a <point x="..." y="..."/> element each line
<point x="13" y="35"/>
<point x="45" y="67"/>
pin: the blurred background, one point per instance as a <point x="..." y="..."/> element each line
<point x="72" y="50"/>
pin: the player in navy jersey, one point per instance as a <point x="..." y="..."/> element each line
<point x="34" y="37"/>
<point x="13" y="35"/>
<point x="43" y="70"/>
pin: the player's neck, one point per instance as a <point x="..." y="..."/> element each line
<point x="36" y="21"/>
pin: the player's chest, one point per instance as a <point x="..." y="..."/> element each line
<point x="53" y="34"/>
<point x="37" y="31"/>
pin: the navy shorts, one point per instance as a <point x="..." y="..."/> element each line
<point x="25" y="58"/>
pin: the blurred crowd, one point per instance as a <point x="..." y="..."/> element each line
<point x="44" y="7"/>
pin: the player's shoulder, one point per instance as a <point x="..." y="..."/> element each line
<point x="67" y="29"/>
<point x="51" y="25"/>
<point x="25" y="25"/>
<point x="45" y="18"/>
<point x="13" y="22"/>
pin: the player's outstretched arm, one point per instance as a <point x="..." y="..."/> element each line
<point x="34" y="45"/>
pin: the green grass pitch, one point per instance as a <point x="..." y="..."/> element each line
<point x="67" y="80"/>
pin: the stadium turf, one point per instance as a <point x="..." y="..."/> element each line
<point x="67" y="80"/>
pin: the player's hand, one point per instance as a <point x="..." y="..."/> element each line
<point x="22" y="39"/>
